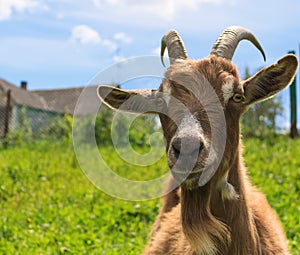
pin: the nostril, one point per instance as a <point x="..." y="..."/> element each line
<point x="201" y="147"/>
<point x="176" y="151"/>
<point x="189" y="145"/>
<point x="196" y="149"/>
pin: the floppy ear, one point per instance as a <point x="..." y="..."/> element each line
<point x="135" y="101"/>
<point x="270" y="80"/>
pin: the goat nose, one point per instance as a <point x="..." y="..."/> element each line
<point x="187" y="145"/>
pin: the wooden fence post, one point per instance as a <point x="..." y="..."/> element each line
<point x="7" y="113"/>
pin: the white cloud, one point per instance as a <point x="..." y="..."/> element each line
<point x="84" y="34"/>
<point x="87" y="35"/>
<point x="122" y="37"/>
<point x="7" y="7"/>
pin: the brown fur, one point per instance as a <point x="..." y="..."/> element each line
<point x="199" y="220"/>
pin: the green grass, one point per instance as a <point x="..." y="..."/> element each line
<point x="49" y="207"/>
<point x="274" y="167"/>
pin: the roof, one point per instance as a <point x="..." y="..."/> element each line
<point x="57" y="100"/>
<point x="23" y="97"/>
<point x="65" y="100"/>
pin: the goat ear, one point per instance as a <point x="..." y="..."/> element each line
<point x="270" y="80"/>
<point x="135" y="101"/>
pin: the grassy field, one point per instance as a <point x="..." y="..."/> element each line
<point x="49" y="207"/>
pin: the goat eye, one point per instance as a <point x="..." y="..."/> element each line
<point x="237" y="98"/>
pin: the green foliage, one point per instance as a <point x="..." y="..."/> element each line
<point x="103" y="126"/>
<point x="136" y="128"/>
<point x="49" y="207"/>
<point x="22" y="134"/>
<point x="141" y="130"/>
<point x="260" y="120"/>
<point x="58" y="128"/>
<point x="121" y="127"/>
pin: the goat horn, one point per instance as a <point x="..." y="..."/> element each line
<point x="227" y="42"/>
<point x="173" y="42"/>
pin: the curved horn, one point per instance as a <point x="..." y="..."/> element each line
<point x="173" y="42"/>
<point x="227" y="42"/>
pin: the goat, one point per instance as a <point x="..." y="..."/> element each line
<point x="214" y="209"/>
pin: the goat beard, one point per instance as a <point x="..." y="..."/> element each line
<point x="205" y="233"/>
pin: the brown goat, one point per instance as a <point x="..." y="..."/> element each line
<point x="215" y="210"/>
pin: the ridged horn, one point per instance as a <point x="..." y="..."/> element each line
<point x="227" y="42"/>
<point x="173" y="42"/>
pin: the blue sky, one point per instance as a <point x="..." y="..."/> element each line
<point x="64" y="43"/>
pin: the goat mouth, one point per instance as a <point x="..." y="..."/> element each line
<point x="197" y="177"/>
<point x="183" y="176"/>
<point x="194" y="171"/>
